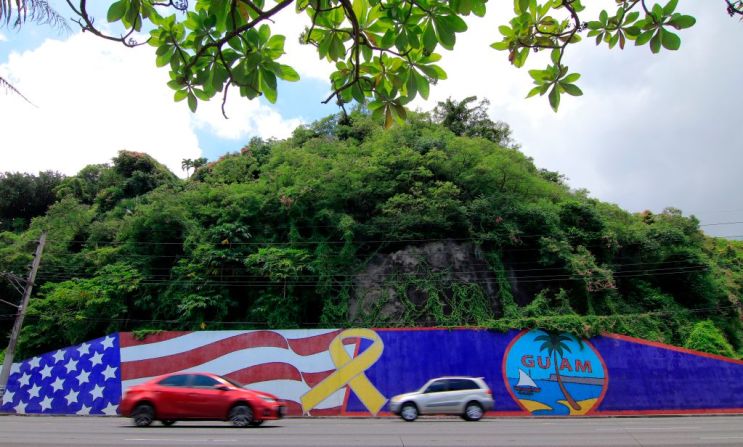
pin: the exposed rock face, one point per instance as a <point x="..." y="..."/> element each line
<point x="449" y="261"/>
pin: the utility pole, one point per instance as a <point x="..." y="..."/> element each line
<point x="5" y="373"/>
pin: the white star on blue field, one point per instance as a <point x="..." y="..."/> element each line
<point x="48" y="383"/>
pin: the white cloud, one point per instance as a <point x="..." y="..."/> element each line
<point x="245" y="118"/>
<point x="93" y="98"/>
<point x="2" y="37"/>
<point x="303" y="58"/>
<point x="650" y="131"/>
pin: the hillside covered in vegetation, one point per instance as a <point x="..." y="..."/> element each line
<point x="438" y="222"/>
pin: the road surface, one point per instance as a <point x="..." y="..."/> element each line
<point x="425" y="432"/>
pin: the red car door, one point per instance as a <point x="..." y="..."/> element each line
<point x="170" y="394"/>
<point x="203" y="400"/>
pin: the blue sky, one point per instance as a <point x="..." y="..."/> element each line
<point x="293" y="102"/>
<point x="296" y="100"/>
<point x="651" y="131"/>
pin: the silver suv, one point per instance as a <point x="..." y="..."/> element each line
<point x="469" y="397"/>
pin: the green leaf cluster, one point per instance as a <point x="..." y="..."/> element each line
<point x="540" y="26"/>
<point x="384" y="52"/>
<point x="653" y="27"/>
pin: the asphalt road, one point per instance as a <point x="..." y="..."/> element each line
<point x="657" y="431"/>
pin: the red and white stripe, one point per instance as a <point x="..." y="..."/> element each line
<point x="285" y="363"/>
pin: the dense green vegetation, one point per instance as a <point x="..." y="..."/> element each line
<point x="24" y="196"/>
<point x="275" y="235"/>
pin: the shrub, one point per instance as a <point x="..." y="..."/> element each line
<point x="706" y="337"/>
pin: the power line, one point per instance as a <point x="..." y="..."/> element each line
<point x="719" y="211"/>
<point x="525" y="279"/>
<point x="306" y="242"/>
<point x="338" y="242"/>
<point x="508" y="249"/>
<point x="346" y="323"/>
<point x="326" y="241"/>
<point x="60" y="270"/>
<point x="720" y="223"/>
<point x="356" y="225"/>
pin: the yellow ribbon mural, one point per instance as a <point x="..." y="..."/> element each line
<point x="350" y="371"/>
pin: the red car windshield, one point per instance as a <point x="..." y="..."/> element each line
<point x="232" y="382"/>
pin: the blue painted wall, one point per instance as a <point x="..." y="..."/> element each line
<point x="646" y="377"/>
<point x="411" y="357"/>
<point x="638" y="377"/>
<point x="607" y="375"/>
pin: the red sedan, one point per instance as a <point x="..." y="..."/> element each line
<point x="198" y="396"/>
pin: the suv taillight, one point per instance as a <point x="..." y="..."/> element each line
<point x="488" y="391"/>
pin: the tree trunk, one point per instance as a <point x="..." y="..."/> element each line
<point x="564" y="390"/>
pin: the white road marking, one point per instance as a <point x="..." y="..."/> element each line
<point x="640" y="427"/>
<point x="205" y="441"/>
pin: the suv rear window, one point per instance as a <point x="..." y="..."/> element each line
<point x="462" y="384"/>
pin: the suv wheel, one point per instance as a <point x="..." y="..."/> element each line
<point x="409" y="412"/>
<point x="473" y="411"/>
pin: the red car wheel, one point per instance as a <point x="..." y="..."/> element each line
<point x="241" y="415"/>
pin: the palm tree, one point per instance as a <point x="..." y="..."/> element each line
<point x="7" y="86"/>
<point x="554" y="344"/>
<point x="14" y="13"/>
<point x="186" y="163"/>
<point x="198" y="162"/>
<point x="472" y="121"/>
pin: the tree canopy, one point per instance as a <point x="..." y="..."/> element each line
<point x="24" y="196"/>
<point x="289" y="233"/>
<point x="385" y="52"/>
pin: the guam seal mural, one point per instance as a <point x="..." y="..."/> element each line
<point x="551" y="373"/>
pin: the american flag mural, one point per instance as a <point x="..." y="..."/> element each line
<point x="90" y="378"/>
<point x="284" y="363"/>
<point x="82" y="379"/>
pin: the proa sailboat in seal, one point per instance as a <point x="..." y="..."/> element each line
<point x="526" y="384"/>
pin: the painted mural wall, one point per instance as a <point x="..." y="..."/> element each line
<point x="357" y="371"/>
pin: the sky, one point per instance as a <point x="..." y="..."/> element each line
<point x="651" y="131"/>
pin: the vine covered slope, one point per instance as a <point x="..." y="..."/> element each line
<point x="347" y="224"/>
